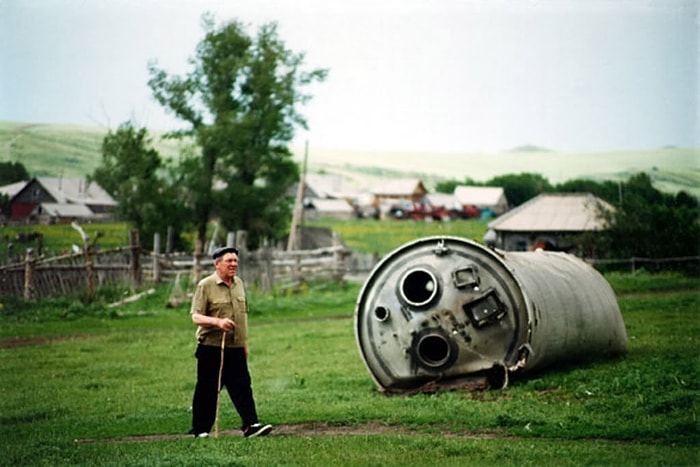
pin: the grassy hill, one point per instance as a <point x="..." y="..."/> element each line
<point x="74" y="151"/>
<point x="61" y="150"/>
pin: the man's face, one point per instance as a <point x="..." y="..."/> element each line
<point x="227" y="265"/>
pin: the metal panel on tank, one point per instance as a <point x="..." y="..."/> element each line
<point x="441" y="309"/>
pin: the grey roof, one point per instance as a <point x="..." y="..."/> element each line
<point x="12" y="189"/>
<point x="398" y="187"/>
<point x="562" y="212"/>
<point x="329" y="186"/>
<point x="332" y="205"/>
<point x="443" y="199"/>
<point x="479" y="195"/>
<point x="66" y="210"/>
<point x="76" y="190"/>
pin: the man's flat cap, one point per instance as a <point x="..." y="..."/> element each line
<point x="219" y="252"/>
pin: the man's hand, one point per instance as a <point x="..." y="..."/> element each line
<point x="226" y="324"/>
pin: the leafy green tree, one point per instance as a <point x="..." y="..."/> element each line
<point x="240" y="102"/>
<point x="519" y="188"/>
<point x="134" y="174"/>
<point x="607" y="190"/>
<point x="11" y="172"/>
<point x="5" y="206"/>
<point x="448" y="186"/>
<point x="648" y="223"/>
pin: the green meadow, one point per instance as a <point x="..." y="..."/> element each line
<point x="75" y="151"/>
<point x="86" y="384"/>
<point x="367" y="236"/>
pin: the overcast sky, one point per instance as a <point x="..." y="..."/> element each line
<point x="421" y="75"/>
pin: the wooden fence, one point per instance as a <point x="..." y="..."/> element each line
<point x="682" y="263"/>
<point x="265" y="269"/>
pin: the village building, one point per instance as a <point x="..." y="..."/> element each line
<point x="317" y="208"/>
<point x="408" y="193"/>
<point x="490" y="201"/>
<point x="58" y="199"/>
<point x="326" y="196"/>
<point x="551" y="222"/>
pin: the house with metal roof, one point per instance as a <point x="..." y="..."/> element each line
<point x="328" y="186"/>
<point x="484" y="198"/>
<point x="554" y="221"/>
<point x="410" y="189"/>
<point x="59" y="199"/>
<point x="390" y="192"/>
<point x="326" y="196"/>
<point x="317" y="208"/>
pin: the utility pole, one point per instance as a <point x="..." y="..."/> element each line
<point x="294" y="241"/>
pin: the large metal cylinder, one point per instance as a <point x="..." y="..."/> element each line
<point x="444" y="309"/>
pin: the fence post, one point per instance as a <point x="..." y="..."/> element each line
<point x="156" y="261"/>
<point x="28" y="273"/>
<point x="267" y="279"/>
<point x="338" y="259"/>
<point x="169" y="241"/>
<point x="242" y="241"/>
<point x="196" y="261"/>
<point x="88" y="268"/>
<point x="135" y="264"/>
<point x="39" y="245"/>
<point x="296" y="275"/>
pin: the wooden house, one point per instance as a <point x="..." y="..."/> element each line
<point x="554" y="221"/>
<point x="59" y="199"/>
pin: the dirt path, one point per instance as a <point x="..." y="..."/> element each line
<point x="304" y="430"/>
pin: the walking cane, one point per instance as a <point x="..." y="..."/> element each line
<point x="218" y="393"/>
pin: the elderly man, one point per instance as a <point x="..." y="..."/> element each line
<point x="220" y="311"/>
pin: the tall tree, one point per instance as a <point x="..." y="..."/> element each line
<point x="649" y="223"/>
<point x="134" y="174"/>
<point x="240" y="102"/>
<point x="11" y="172"/>
<point x="521" y="187"/>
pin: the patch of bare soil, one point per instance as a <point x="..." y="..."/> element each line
<point x="14" y="342"/>
<point x="303" y="430"/>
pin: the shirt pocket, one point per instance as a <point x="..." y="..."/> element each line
<point x="241" y="304"/>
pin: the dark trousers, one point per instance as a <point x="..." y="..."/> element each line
<point x="235" y="377"/>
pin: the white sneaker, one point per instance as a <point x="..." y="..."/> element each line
<point x="257" y="430"/>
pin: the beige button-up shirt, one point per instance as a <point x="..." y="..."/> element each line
<point x="213" y="297"/>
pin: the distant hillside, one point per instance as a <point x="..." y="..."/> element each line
<point x="529" y="148"/>
<point x="75" y="151"/>
<point x="55" y="150"/>
<point x="671" y="170"/>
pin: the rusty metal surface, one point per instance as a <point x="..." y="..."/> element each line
<point x="443" y="308"/>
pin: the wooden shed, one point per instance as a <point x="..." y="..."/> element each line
<point x="554" y="221"/>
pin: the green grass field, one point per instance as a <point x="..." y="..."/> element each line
<point x="75" y="151"/>
<point x="84" y="384"/>
<point x="366" y="236"/>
